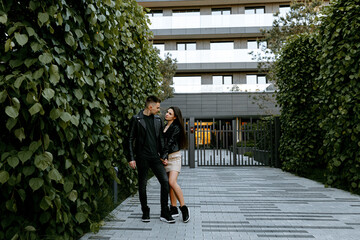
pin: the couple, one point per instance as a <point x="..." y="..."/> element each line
<point x="158" y="148"/>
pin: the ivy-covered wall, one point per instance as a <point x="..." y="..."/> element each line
<point x="339" y="38"/>
<point x="319" y="85"/>
<point x="297" y="70"/>
<point x="72" y="73"/>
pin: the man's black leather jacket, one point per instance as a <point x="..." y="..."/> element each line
<point x="138" y="135"/>
<point x="172" y="138"/>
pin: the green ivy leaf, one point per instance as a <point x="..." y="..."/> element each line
<point x="30" y="229"/>
<point x="73" y="195"/>
<point x="55" y="113"/>
<point x="45" y="203"/>
<point x="24" y="156"/>
<point x="28" y="170"/>
<point x="22" y="39"/>
<point x="43" y="18"/>
<point x="38" y="74"/>
<point x="45" y="58"/>
<point x="36" y="183"/>
<point x="19" y="81"/>
<point x="30" y="61"/>
<point x="3" y="18"/>
<point x="20" y="134"/>
<point x="43" y="161"/>
<point x="3" y="96"/>
<point x="35" y="46"/>
<point x="30" y="31"/>
<point x="13" y="161"/>
<point x="69" y="39"/>
<point x="4" y="177"/>
<point x="54" y="74"/>
<point x="55" y="175"/>
<point x="65" y="116"/>
<point x="78" y="93"/>
<point x="81" y="217"/>
<point x="11" y="112"/>
<point x="48" y="93"/>
<point x="68" y="186"/>
<point x="37" y="107"/>
<point x="11" y="122"/>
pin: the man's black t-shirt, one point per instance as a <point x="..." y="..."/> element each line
<point x="150" y="146"/>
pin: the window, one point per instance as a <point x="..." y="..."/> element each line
<point x="222" y="80"/>
<point x="186" y="12"/>
<point x="253" y="44"/>
<point x="221" y="11"/>
<point x="155" y="13"/>
<point x="284" y="9"/>
<point x="185" y="46"/>
<point x="160" y="46"/>
<point x="222" y="45"/>
<point x="255" y="79"/>
<point x="254" y="10"/>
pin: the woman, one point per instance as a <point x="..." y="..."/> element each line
<point x="175" y="139"/>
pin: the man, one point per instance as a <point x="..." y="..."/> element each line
<point x="146" y="130"/>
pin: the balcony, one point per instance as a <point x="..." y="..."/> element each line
<point x="212" y="21"/>
<point x="268" y="87"/>
<point x="215" y="56"/>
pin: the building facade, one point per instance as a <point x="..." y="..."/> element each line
<point x="215" y="43"/>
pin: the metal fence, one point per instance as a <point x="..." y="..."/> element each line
<point x="228" y="143"/>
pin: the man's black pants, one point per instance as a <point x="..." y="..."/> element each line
<point x="159" y="171"/>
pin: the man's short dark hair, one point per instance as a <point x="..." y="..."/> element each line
<point x="152" y="99"/>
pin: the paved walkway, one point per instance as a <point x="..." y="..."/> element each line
<point x="241" y="203"/>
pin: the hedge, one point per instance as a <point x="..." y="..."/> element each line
<point x="340" y="74"/>
<point x="72" y="74"/>
<point x="296" y="71"/>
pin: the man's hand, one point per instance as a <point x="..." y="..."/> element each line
<point x="132" y="164"/>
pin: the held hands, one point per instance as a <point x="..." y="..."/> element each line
<point x="132" y="164"/>
<point x="164" y="161"/>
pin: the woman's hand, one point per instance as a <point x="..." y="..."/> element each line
<point x="164" y="161"/>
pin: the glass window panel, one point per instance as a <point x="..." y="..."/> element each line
<point x="186" y="12"/>
<point x="252" y="44"/>
<point x="262" y="44"/>
<point x="260" y="10"/>
<point x="227" y="80"/>
<point x="226" y="12"/>
<point x="250" y="79"/>
<point x="217" y="80"/>
<point x="284" y="9"/>
<point x="159" y="46"/>
<point x="187" y="81"/>
<point x="181" y="46"/>
<point x="261" y="79"/>
<point x="250" y="11"/>
<point x="222" y="45"/>
<point x="216" y="12"/>
<point x="190" y="46"/>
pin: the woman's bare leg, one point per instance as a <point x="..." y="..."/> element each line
<point x="173" y="199"/>
<point x="175" y="188"/>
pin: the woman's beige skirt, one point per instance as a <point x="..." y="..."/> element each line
<point x="174" y="162"/>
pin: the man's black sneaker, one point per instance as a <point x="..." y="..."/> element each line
<point x="146" y="215"/>
<point x="166" y="217"/>
<point x="174" y="211"/>
<point x="185" y="213"/>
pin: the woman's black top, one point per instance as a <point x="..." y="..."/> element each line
<point x="172" y="138"/>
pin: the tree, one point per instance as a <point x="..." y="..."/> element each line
<point x="302" y="18"/>
<point x="168" y="69"/>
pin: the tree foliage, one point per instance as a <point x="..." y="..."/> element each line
<point x="168" y="69"/>
<point x="72" y="73"/>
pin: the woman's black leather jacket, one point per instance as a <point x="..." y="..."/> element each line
<point x="172" y="138"/>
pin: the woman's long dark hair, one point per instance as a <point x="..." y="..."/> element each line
<point x="180" y="121"/>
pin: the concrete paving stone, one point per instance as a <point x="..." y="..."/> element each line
<point x="255" y="203"/>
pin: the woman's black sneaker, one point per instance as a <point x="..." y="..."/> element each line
<point x="146" y="215"/>
<point x="174" y="212"/>
<point x="166" y="217"/>
<point x="185" y="213"/>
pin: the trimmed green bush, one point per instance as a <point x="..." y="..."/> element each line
<point x="297" y="70"/>
<point x="72" y="73"/>
<point x="340" y="74"/>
